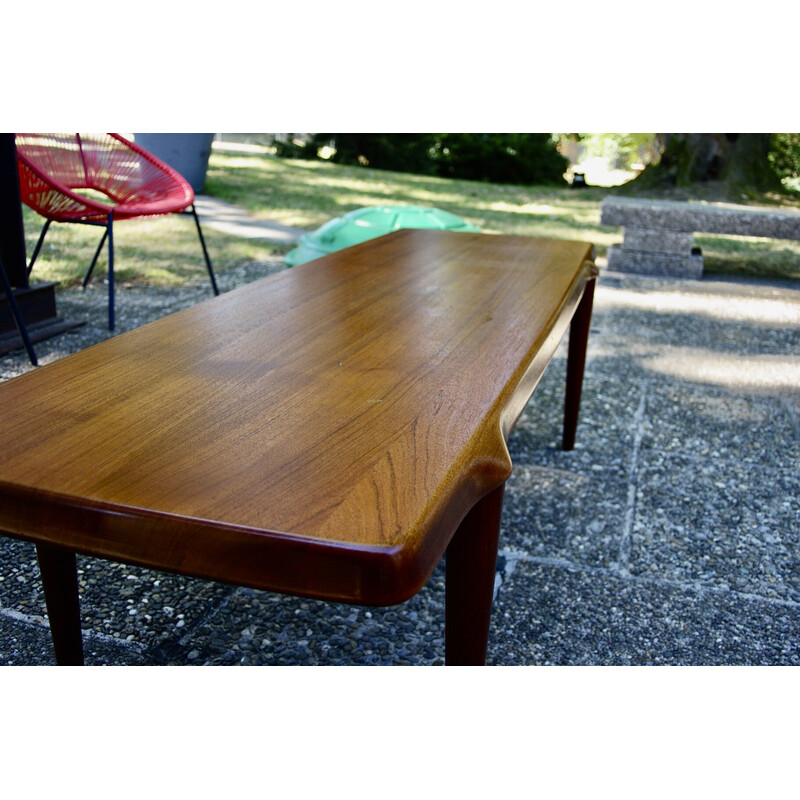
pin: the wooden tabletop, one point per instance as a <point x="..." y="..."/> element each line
<point x="320" y="432"/>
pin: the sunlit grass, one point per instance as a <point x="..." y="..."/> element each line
<point x="742" y="255"/>
<point x="162" y="251"/>
<point x="309" y="193"/>
<point x="165" y="251"/>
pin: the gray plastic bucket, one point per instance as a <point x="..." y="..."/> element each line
<point x="185" y="152"/>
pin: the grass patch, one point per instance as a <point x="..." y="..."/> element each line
<point x="749" y="256"/>
<point x="165" y="251"/>
<point x="309" y="193"/>
<point x="161" y="251"/>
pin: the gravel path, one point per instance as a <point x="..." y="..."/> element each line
<point x="670" y="535"/>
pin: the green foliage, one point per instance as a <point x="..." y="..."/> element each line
<point x="738" y="162"/>
<point x="784" y="157"/>
<point x="621" y="150"/>
<point x="525" y="159"/>
<point x="505" y="158"/>
<point x="291" y="149"/>
<point x="399" y="152"/>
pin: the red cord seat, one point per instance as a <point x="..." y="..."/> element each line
<point x="98" y="178"/>
<point x="54" y="167"/>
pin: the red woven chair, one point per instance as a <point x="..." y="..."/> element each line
<point x="97" y="179"/>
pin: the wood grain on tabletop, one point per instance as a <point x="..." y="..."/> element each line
<point x="359" y="399"/>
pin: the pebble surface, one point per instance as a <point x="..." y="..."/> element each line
<point x="670" y="535"/>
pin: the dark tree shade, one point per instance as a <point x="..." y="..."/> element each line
<point x="740" y="161"/>
<point x="518" y="158"/>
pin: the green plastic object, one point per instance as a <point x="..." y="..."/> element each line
<point x="367" y="223"/>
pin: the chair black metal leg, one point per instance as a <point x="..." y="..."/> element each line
<point x="23" y="331"/>
<point x="205" y="252"/>
<point x="89" y="272"/>
<point x="110" y="231"/>
<point x="38" y="245"/>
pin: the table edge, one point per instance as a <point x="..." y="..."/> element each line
<point x="259" y="558"/>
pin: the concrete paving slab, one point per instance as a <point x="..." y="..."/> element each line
<point x="719" y="425"/>
<point x="261" y="628"/>
<point x="231" y="219"/>
<point x="559" y="614"/>
<point x="718" y="523"/>
<point x="564" y="515"/>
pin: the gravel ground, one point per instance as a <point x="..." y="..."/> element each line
<point x="670" y="535"/>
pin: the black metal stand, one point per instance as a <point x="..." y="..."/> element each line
<point x="23" y="331"/>
<point x="32" y="307"/>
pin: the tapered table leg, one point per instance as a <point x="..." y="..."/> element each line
<point x="470" y="564"/>
<point x="60" y="581"/>
<point x="576" y="361"/>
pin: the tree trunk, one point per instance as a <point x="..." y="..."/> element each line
<point x="738" y="161"/>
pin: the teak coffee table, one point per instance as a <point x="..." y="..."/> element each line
<point x="330" y="431"/>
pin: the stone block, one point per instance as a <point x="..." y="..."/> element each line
<point x="648" y="241"/>
<point x="663" y="264"/>
<point x="701" y="217"/>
